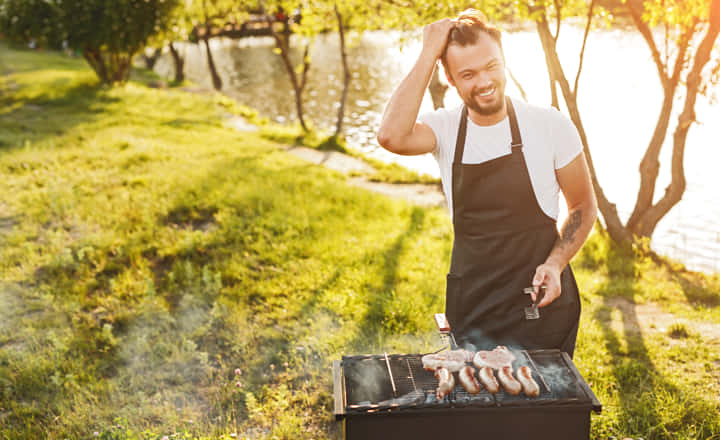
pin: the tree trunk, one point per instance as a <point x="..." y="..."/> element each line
<point x="346" y="73"/>
<point x="650" y="164"/>
<point x="179" y="64"/>
<point x="437" y="89"/>
<point x="152" y="59"/>
<point x="95" y="59"/>
<point x="217" y="82"/>
<point x="551" y="41"/>
<point x="614" y="226"/>
<point x="297" y="83"/>
<point x="648" y="221"/>
<point x="110" y="67"/>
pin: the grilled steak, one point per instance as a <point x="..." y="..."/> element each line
<point x="453" y="360"/>
<point x="496" y="359"/>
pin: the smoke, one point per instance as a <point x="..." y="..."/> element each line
<point x="20" y="312"/>
<point x="160" y="365"/>
<point x="10" y="307"/>
<point x="367" y="381"/>
<point x="477" y="339"/>
<point x="559" y="378"/>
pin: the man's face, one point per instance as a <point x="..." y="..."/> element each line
<point x="478" y="73"/>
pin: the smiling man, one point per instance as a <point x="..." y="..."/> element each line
<point x="503" y="163"/>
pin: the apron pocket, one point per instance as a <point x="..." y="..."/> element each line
<point x="552" y="329"/>
<point x="452" y="298"/>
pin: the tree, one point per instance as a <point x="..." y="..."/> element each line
<point x="180" y="23"/>
<point x="108" y="34"/>
<point x="298" y="74"/>
<point x="346" y="71"/>
<point x="217" y="82"/>
<point x="683" y="22"/>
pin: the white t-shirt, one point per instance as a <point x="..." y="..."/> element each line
<point x="550" y="141"/>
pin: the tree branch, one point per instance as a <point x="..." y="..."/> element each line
<point x="647" y="34"/>
<point x="650" y="164"/>
<point x="609" y="211"/>
<point x="558" y="19"/>
<point x="346" y="71"/>
<point x="582" y="51"/>
<point x="517" y="83"/>
<point x="283" y="45"/>
<point x="306" y="66"/>
<point x="674" y="191"/>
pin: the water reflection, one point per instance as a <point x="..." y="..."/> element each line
<point x="619" y="98"/>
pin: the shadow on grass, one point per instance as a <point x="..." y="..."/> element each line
<point x="379" y="298"/>
<point x="638" y="379"/>
<point x="700" y="290"/>
<point x="52" y="113"/>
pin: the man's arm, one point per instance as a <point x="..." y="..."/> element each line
<point x="399" y="132"/>
<point x="574" y="180"/>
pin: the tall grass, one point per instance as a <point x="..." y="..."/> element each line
<point x="163" y="274"/>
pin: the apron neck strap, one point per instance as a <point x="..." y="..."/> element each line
<point x="460" y="140"/>
<point x="515" y="144"/>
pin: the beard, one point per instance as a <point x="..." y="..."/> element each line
<point x="485" y="109"/>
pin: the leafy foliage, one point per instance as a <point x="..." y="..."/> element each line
<point x="107" y="33"/>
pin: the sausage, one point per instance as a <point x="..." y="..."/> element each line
<point x="529" y="386"/>
<point x="468" y="381"/>
<point x="508" y="381"/>
<point x="446" y="382"/>
<point x="487" y="378"/>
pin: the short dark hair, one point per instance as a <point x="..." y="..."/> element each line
<point x="469" y="24"/>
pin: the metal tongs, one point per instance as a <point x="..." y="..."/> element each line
<point x="532" y="312"/>
<point x="446" y="335"/>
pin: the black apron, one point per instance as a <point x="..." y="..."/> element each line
<point x="501" y="236"/>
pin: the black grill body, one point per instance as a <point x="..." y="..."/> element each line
<point x="370" y="409"/>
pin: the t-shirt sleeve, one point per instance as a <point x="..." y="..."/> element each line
<point x="438" y="121"/>
<point x="567" y="141"/>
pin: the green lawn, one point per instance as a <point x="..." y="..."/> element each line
<point x="147" y="252"/>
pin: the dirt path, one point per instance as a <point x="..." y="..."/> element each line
<point x="653" y="319"/>
<point x="417" y="193"/>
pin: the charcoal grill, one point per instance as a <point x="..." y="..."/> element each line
<point x="392" y="396"/>
<point x="372" y="408"/>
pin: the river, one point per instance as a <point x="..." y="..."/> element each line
<point x="619" y="98"/>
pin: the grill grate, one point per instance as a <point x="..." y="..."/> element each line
<point x="368" y="385"/>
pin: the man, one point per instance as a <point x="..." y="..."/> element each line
<point x="502" y="164"/>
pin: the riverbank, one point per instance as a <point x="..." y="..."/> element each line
<point x="252" y="73"/>
<point x="148" y="252"/>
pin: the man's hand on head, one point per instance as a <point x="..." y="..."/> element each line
<point x="435" y="36"/>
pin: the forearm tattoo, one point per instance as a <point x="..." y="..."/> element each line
<point x="572" y="224"/>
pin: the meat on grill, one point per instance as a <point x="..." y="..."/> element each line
<point x="529" y="386"/>
<point x="496" y="359"/>
<point x="468" y="380"/>
<point x="487" y="378"/>
<point x="452" y="360"/>
<point x="508" y="381"/>
<point x="446" y="382"/>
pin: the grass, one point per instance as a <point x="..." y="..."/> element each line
<point x="148" y="252"/>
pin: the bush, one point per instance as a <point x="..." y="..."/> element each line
<point x="107" y="34"/>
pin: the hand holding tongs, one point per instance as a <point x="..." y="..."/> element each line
<point x="532" y="312"/>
